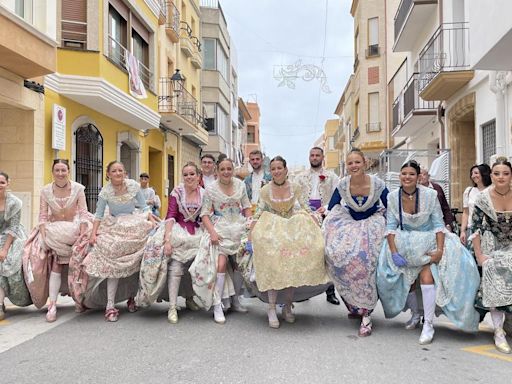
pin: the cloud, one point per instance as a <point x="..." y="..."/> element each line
<point x="269" y="33"/>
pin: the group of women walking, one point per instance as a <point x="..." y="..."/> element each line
<point x="372" y="244"/>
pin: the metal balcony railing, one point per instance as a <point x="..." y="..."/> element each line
<point x="185" y="27"/>
<point x="174" y="98"/>
<point x="117" y="54"/>
<point x="373" y="51"/>
<point x="74" y="34"/>
<point x="356" y="62"/>
<point x="172" y="17"/>
<point x="401" y="15"/>
<point x="446" y="51"/>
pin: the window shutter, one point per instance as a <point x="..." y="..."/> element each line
<point x="74" y="24"/>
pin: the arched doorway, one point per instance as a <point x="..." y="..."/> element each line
<point x="89" y="162"/>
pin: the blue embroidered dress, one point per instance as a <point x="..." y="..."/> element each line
<point x="354" y="230"/>
<point x="455" y="277"/>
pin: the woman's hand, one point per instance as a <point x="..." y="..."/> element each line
<point x="463" y="237"/>
<point x="214" y="238"/>
<point x="398" y="259"/>
<point x="481" y="259"/>
<point x="436" y="256"/>
<point x="92" y="239"/>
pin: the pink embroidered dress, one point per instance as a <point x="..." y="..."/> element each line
<point x="185" y="238"/>
<point x="61" y="218"/>
<point x="120" y="243"/>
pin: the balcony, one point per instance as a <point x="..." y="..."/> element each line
<point x="409" y="22"/>
<point x="356" y="63"/>
<point x="172" y="23"/>
<point x="197" y="57"/>
<point x="186" y="43"/>
<point x="25" y="50"/>
<point x="444" y="62"/>
<point x="181" y="112"/>
<point x="117" y="54"/>
<point x="373" y="51"/>
<point x="410" y="111"/>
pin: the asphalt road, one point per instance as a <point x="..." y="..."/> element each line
<point x="321" y="347"/>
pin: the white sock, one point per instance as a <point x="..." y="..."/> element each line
<point x="429" y="302"/>
<point x="111" y="292"/>
<point x="219" y="286"/>
<point x="272" y="297"/>
<point x="498" y="318"/>
<point x="288" y="294"/>
<point x="173" y="284"/>
<point x="54" y="286"/>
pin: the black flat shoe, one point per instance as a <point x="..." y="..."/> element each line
<point x="333" y="299"/>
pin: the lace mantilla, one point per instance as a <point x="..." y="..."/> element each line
<point x="109" y="194"/>
<point x="376" y="188"/>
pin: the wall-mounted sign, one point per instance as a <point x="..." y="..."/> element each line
<point x="59" y="128"/>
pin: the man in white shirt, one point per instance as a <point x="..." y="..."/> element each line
<point x="319" y="184"/>
<point x="208" y="175"/>
<point x="257" y="178"/>
<point x="149" y="193"/>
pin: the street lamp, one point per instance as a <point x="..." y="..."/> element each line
<point x="177" y="80"/>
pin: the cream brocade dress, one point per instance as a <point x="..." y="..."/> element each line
<point x="288" y="245"/>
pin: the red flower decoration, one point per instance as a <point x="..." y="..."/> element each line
<point x="322" y="177"/>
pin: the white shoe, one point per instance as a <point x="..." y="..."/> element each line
<point x="218" y="314"/>
<point x="501" y="342"/>
<point x="413" y="322"/>
<point x="236" y="306"/>
<point x="273" y="321"/>
<point x="427" y="333"/>
<point x="172" y="315"/>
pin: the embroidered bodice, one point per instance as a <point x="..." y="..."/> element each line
<point x="317" y="185"/>
<point x="428" y="218"/>
<point x="185" y="213"/>
<point x="282" y="207"/>
<point x="124" y="204"/>
<point x="10" y="217"/>
<point x="217" y="203"/>
<point x="52" y="208"/>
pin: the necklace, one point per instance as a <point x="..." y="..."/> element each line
<point x="501" y="194"/>
<point x="224" y="183"/>
<point x="360" y="200"/>
<point x="278" y="184"/>
<point x="410" y="195"/>
<point x="64" y="186"/>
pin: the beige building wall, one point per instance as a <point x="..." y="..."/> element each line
<point x="331" y="153"/>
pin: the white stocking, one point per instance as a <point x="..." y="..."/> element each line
<point x="54" y="286"/>
<point x="429" y="302"/>
<point x="111" y="292"/>
<point x="219" y="287"/>
<point x="498" y="317"/>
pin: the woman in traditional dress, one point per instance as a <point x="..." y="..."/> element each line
<point x="176" y="239"/>
<point x="12" y="240"/>
<point x="354" y="230"/>
<point x="492" y="242"/>
<point x="481" y="177"/>
<point x="116" y="246"/>
<point x="418" y="245"/>
<point x="63" y="219"/>
<point x="288" y="246"/>
<point x="225" y="214"/>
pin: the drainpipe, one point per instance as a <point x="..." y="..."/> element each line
<point x="442" y="128"/>
<point x="498" y="85"/>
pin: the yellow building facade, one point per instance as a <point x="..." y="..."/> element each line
<point x="332" y="154"/>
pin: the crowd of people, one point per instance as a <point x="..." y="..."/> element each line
<point x="277" y="238"/>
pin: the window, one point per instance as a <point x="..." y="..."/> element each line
<point x="24" y="9"/>
<point x="488" y="140"/>
<point x="330" y="143"/>
<point x="373" y="37"/>
<point x="250" y="134"/>
<point x="222" y="62"/>
<point x="210" y="112"/>
<point x="140" y="50"/>
<point x="117" y="36"/>
<point x="209" y="54"/>
<point x="356" y="115"/>
<point x="74" y="24"/>
<point x="222" y="122"/>
<point x="373" y="112"/>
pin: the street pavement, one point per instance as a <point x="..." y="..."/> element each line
<point x="321" y="347"/>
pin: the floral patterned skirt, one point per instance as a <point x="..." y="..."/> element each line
<point x="154" y="266"/>
<point x="352" y="249"/>
<point x="60" y="238"/>
<point x="11" y="274"/>
<point x="456" y="277"/>
<point x="288" y="252"/>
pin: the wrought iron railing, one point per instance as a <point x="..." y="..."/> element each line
<point x="446" y="51"/>
<point x="401" y="15"/>
<point x="74" y="34"/>
<point x="356" y="62"/>
<point x="174" y="98"/>
<point x="188" y="32"/>
<point x="173" y="17"/>
<point x="117" y="53"/>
